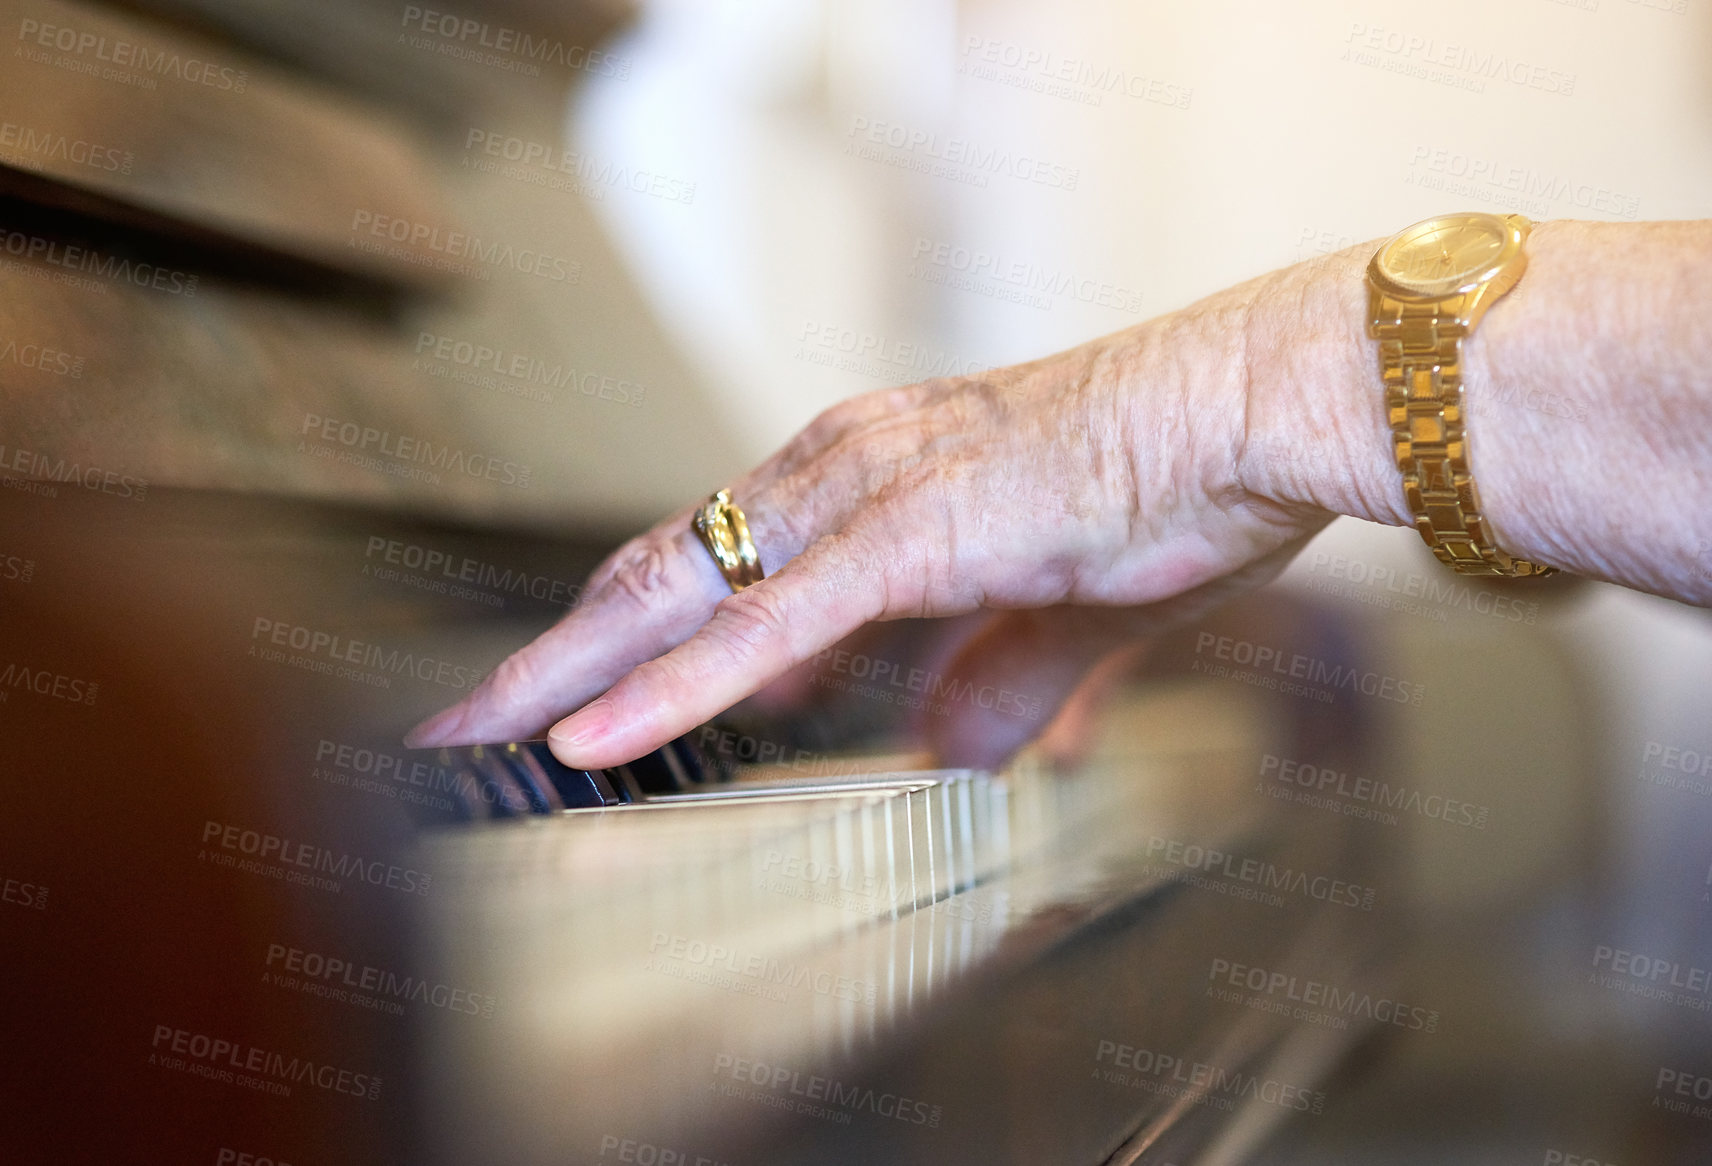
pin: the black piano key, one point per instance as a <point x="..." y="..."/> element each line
<point x="571" y="789"/>
<point x="653" y="774"/>
<point x="512" y="797"/>
<point x="541" y="790"/>
<point x="523" y="777"/>
<point x="467" y="786"/>
<point x="679" y="766"/>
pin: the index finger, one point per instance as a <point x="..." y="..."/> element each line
<point x="659" y="588"/>
<point x="656" y="589"/>
<point x="754" y="636"/>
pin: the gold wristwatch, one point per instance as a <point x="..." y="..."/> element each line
<point x="1428" y="286"/>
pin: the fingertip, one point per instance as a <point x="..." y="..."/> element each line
<point x="579" y="737"/>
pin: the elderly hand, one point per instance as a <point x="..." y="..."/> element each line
<point x="1086" y="499"/>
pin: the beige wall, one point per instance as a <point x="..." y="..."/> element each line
<point x="1242" y="136"/>
<point x="1259" y="134"/>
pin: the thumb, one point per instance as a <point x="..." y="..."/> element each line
<point x="1012" y="678"/>
<point x="1024" y="672"/>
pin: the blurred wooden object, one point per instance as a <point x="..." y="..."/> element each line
<point x="267" y="265"/>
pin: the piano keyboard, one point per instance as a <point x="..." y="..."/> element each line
<point x="644" y="951"/>
<point x="845" y="959"/>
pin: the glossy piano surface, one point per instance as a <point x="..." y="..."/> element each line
<point x="522" y="983"/>
<point x="908" y="966"/>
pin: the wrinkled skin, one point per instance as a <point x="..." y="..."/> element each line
<point x="1084" y="500"/>
<point x="1087" y="500"/>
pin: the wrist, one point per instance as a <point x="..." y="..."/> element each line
<point x="1318" y="423"/>
<point x="1582" y="388"/>
<point x="1317" y="438"/>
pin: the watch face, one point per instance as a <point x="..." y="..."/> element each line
<point x="1447" y="255"/>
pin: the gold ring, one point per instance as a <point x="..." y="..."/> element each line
<point x="725" y="533"/>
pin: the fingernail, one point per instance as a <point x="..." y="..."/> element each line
<point x="435" y="729"/>
<point x="585" y="726"/>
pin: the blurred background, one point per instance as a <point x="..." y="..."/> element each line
<point x="545" y="271"/>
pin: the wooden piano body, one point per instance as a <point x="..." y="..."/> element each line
<point x="251" y="937"/>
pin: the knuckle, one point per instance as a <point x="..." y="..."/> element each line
<point x="659" y="678"/>
<point x="937" y="388"/>
<point x="746" y="623"/>
<point x="972" y="407"/>
<point x="829" y="424"/>
<point x="511" y="685"/>
<point x="800" y="448"/>
<point x="1006" y="384"/>
<point x="854" y="413"/>
<point x="906" y="398"/>
<point x="874" y="461"/>
<point x="640" y="574"/>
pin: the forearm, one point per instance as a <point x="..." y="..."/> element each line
<point x="1588" y="391"/>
